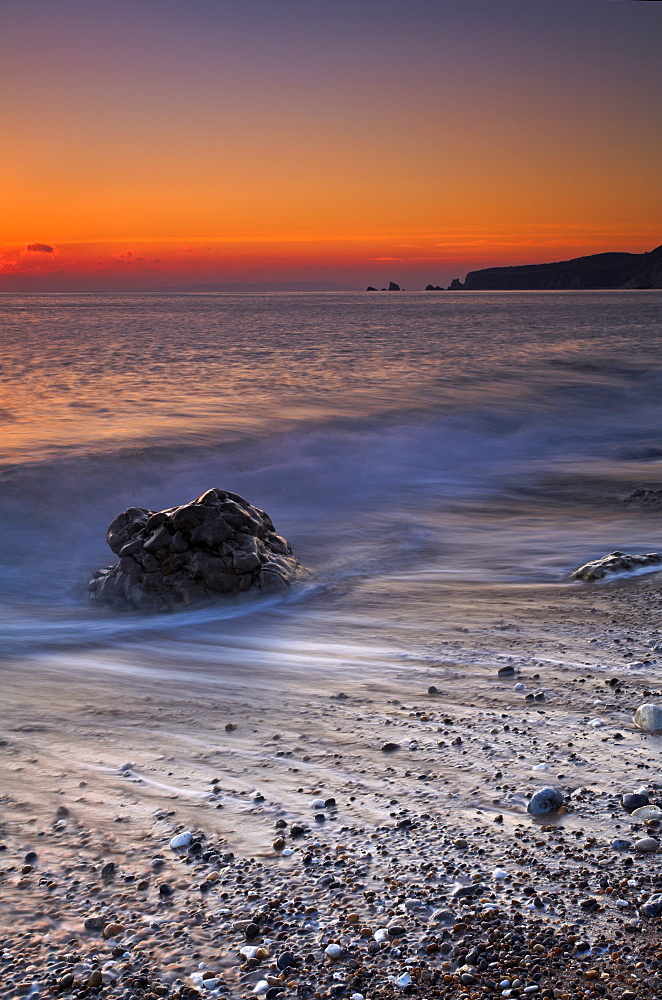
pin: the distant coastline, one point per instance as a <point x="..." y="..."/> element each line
<point x="600" y="270"/>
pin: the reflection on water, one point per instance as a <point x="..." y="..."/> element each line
<point x="471" y="437"/>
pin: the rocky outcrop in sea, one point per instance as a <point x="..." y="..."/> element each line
<point x="616" y="563"/>
<point x="216" y="546"/>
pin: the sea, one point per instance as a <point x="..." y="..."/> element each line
<point x="423" y="439"/>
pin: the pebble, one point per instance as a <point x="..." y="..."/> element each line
<point x="333" y="951"/>
<point x="181" y="840"/>
<point x="634" y="800"/>
<point x="647" y="814"/>
<point x="545" y="800"/>
<point x="646" y="845"/>
<point x="652" y="907"/>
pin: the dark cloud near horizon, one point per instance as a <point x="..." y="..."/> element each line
<point x="39" y="248"/>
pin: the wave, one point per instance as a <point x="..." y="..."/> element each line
<point x="519" y="480"/>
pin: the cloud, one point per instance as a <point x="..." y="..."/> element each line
<point x="39" y="248"/>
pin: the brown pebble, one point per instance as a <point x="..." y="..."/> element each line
<point x="112" y="930"/>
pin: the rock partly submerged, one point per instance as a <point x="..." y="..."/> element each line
<point x="616" y="563"/>
<point x="216" y="546"/>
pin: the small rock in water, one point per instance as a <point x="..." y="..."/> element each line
<point x="181" y="840"/>
<point x="333" y="951"/>
<point x="545" y="800"/>
<point x="390" y="747"/>
<point x="318" y="804"/>
<point x="649" y="717"/>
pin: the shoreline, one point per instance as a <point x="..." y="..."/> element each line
<point x="231" y="753"/>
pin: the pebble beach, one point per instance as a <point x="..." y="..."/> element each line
<point x="205" y="832"/>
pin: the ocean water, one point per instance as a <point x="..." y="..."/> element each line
<point x="465" y="439"/>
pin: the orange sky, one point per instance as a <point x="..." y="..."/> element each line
<point x="354" y="142"/>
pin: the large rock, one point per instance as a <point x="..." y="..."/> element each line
<point x="649" y="717"/>
<point x="545" y="800"/>
<point x="615" y="563"/>
<point x="218" y="545"/>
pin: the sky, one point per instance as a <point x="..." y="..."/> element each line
<point x="168" y="143"/>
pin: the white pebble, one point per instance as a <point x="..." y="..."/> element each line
<point x="287" y="853"/>
<point x="540" y="767"/>
<point x="403" y="980"/>
<point x="519" y="687"/>
<point x="381" y="934"/>
<point x="499" y="874"/>
<point x="333" y="951"/>
<point x="318" y="804"/>
<point x="596" y="723"/>
<point x="357" y="996"/>
<point x="261" y="987"/>
<point x="250" y="951"/>
<point x="181" y="840"/>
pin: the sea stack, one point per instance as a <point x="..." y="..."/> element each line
<point x="214" y="547"/>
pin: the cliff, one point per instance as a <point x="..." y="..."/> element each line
<point x="601" y="270"/>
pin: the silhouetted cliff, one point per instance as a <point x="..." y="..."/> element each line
<point x="601" y="270"/>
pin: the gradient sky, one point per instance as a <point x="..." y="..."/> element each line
<point x="155" y="143"/>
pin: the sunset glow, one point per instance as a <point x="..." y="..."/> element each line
<point x="350" y="142"/>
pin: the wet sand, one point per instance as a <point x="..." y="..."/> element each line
<point x="107" y="753"/>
